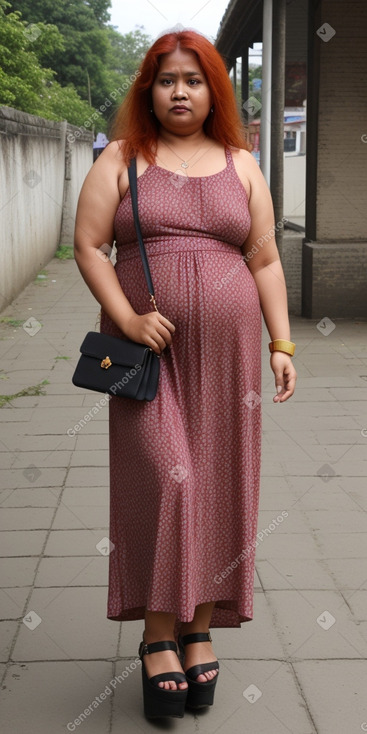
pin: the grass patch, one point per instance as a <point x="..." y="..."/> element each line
<point x="33" y="390"/>
<point x="11" y="322"/>
<point x="65" y="252"/>
<point x="62" y="357"/>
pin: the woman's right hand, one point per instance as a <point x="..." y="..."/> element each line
<point x="151" y="329"/>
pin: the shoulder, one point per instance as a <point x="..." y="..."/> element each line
<point x="248" y="170"/>
<point x="244" y="161"/>
<point x="112" y="154"/>
<point x="109" y="170"/>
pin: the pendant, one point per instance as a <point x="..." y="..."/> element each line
<point x="184" y="165"/>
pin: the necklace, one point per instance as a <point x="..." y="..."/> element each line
<point x="184" y="164"/>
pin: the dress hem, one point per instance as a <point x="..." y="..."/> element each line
<point x="235" y="618"/>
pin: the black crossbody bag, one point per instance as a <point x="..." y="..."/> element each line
<point x="121" y="367"/>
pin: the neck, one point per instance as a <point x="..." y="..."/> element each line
<point x="182" y="140"/>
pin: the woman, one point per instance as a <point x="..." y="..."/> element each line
<point x="184" y="468"/>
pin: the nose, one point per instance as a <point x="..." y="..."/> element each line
<point x="179" y="92"/>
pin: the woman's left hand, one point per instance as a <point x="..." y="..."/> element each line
<point x="285" y="376"/>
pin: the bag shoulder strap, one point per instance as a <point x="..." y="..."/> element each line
<point x="134" y="201"/>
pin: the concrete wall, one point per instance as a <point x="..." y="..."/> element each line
<point x="37" y="204"/>
<point x="295" y="187"/>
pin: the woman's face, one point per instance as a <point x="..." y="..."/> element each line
<point x="180" y="93"/>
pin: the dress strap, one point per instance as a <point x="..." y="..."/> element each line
<point x="229" y="158"/>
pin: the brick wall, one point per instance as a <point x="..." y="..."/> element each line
<point x="342" y="156"/>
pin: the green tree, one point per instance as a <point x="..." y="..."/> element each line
<point x="24" y="83"/>
<point x="82" y="60"/>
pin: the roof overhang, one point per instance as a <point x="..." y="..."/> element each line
<point x="240" y="28"/>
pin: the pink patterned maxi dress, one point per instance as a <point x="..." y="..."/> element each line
<point x="185" y="467"/>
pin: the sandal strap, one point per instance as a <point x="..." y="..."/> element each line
<point x="196" y="637"/>
<point x="196" y="670"/>
<point x="176" y="676"/>
<point x="147" y="649"/>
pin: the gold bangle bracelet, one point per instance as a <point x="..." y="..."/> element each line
<point x="282" y="345"/>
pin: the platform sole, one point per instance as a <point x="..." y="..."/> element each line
<point x="159" y="703"/>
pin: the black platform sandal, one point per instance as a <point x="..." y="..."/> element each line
<point x="199" y="694"/>
<point x="159" y="702"/>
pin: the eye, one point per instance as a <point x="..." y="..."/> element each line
<point x="194" y="82"/>
<point x="166" y="82"/>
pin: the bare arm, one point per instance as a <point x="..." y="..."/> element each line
<point x="264" y="263"/>
<point x="98" y="202"/>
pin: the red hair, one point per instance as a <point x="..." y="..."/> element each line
<point x="139" y="128"/>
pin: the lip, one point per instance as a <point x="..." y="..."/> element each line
<point x="180" y="108"/>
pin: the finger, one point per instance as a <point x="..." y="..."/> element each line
<point x="289" y="390"/>
<point x="168" y="324"/>
<point x="280" y="392"/>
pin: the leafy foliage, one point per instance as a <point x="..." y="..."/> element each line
<point x="60" y="58"/>
<point x="24" y="83"/>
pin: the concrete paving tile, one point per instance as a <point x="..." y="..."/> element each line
<point x="22" y="415"/>
<point x="25" y="518"/>
<point x="346" y="521"/>
<point x="33" y="476"/>
<point x="18" y="441"/>
<point x="335" y="691"/>
<point x="45" y="697"/>
<point x="74" y="542"/>
<point x="311" y="468"/>
<point x="72" y="571"/>
<point x="25" y="401"/>
<point x="290" y="573"/>
<point x="88" y="476"/>
<point x="348" y="573"/>
<point x="279" y="545"/>
<point x="342" y="545"/>
<point x="98" y="442"/>
<point x="358" y="497"/>
<point x="349" y="393"/>
<point x="32" y="497"/>
<point x="12" y="602"/>
<point x="60" y="401"/>
<point x="340" y="437"/>
<point x="63" y="388"/>
<point x="322" y="499"/>
<point x="40" y="458"/>
<point x="273" y="438"/>
<point x="69" y="518"/>
<point x="278" y="709"/>
<point x="63" y="632"/>
<point x="293" y="522"/>
<point x="8" y="629"/>
<point x="90" y="458"/>
<point x="271" y="468"/>
<point x="304" y="637"/>
<point x="91" y="427"/>
<point x="22" y="542"/>
<point x="17" y="571"/>
<point x="319" y="422"/>
<point x="357" y="601"/>
<point x="256" y="639"/>
<point x="81" y="496"/>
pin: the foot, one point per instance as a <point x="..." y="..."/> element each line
<point x="165" y="661"/>
<point x="200" y="652"/>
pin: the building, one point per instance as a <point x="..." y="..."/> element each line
<point x="314" y="50"/>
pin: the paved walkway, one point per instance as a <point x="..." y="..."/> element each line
<point x="300" y="665"/>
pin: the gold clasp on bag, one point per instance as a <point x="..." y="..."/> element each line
<point x="106" y="363"/>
